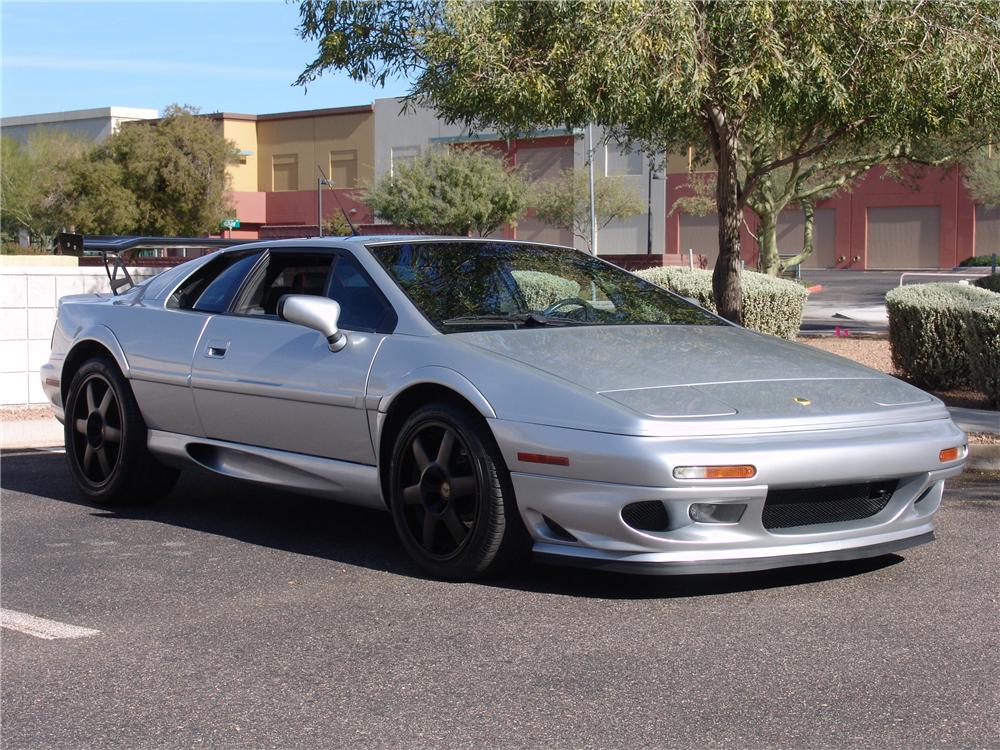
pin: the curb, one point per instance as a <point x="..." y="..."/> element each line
<point x="30" y="433"/>
<point x="814" y="288"/>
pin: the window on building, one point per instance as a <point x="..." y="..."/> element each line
<point x="401" y="155"/>
<point x="622" y="161"/>
<point x="544" y="162"/>
<point x="285" y="172"/>
<point x="344" y="168"/>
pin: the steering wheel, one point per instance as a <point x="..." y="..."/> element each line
<point x="588" y="310"/>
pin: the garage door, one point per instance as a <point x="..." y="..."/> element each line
<point x="790" y="226"/>
<point x="701" y="234"/>
<point x="987" y="230"/>
<point x="906" y="237"/>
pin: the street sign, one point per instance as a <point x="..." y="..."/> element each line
<point x="231" y="223"/>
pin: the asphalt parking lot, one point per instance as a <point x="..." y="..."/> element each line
<point x="232" y="617"/>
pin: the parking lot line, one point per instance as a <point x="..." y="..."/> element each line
<point x="39" y="627"/>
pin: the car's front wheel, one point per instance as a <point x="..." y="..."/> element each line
<point x="106" y="440"/>
<point x="451" y="495"/>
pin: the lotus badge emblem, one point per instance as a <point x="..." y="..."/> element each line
<point x="802" y="401"/>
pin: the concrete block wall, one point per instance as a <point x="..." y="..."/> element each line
<point x="29" y="299"/>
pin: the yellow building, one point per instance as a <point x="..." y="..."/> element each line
<point x="282" y="155"/>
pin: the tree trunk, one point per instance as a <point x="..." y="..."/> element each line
<point x="808" y="214"/>
<point x="726" y="276"/>
<point x="767" y="243"/>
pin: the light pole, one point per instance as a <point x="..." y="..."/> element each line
<point x="320" y="183"/>
<point x="593" y="210"/>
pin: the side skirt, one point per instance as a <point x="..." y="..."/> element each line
<point x="347" y="482"/>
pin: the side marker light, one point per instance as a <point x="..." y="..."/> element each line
<point x="541" y="458"/>
<point x="743" y="471"/>
<point x="952" y="454"/>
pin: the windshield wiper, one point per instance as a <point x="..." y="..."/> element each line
<point x="528" y="320"/>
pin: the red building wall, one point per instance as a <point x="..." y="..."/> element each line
<point x="940" y="188"/>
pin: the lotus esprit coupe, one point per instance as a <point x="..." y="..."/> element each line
<point x="498" y="399"/>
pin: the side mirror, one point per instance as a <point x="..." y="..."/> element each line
<point x="319" y="313"/>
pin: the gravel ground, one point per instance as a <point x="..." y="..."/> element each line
<point x="20" y="413"/>
<point x="871" y="352"/>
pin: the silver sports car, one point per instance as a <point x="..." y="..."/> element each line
<point x="497" y="398"/>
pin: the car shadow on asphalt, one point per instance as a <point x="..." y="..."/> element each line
<point x="366" y="538"/>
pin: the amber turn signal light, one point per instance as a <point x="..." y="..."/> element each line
<point x="744" y="471"/>
<point x="951" y="454"/>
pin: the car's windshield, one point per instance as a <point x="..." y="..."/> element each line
<point x="462" y="286"/>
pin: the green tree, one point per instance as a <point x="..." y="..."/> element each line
<point x="176" y="170"/>
<point x="94" y="200"/>
<point x="32" y="176"/>
<point x="336" y="225"/>
<point x="820" y="76"/>
<point x="565" y="202"/>
<point x="982" y="178"/>
<point x="450" y="191"/>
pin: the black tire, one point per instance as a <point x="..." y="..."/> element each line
<point x="106" y="440"/>
<point x="455" y="513"/>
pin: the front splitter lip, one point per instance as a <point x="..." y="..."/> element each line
<point x="642" y="565"/>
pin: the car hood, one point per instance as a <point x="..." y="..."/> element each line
<point x="676" y="372"/>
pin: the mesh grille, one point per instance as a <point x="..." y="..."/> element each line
<point x="806" y="506"/>
<point x="648" y="515"/>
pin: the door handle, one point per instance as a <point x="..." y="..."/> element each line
<point x="217" y="349"/>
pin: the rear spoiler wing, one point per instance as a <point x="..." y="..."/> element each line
<point x="113" y="263"/>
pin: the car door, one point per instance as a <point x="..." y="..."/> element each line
<point x="263" y="381"/>
<point x="159" y="340"/>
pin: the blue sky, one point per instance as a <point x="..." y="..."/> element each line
<point x="219" y="56"/>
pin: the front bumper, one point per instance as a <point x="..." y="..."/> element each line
<point x="653" y="565"/>
<point x="588" y="507"/>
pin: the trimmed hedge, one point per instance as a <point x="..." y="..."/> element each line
<point x="982" y="341"/>
<point x="927" y="331"/>
<point x="979" y="260"/>
<point x="541" y="289"/>
<point x="770" y="305"/>
<point x="991" y="282"/>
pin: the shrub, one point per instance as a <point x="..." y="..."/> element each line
<point x="770" y="305"/>
<point x="991" y="282"/>
<point x="927" y="325"/>
<point x="982" y="342"/>
<point x="979" y="260"/>
<point x="541" y="289"/>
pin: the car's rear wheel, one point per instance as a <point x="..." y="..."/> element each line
<point x="451" y="495"/>
<point x="106" y="440"/>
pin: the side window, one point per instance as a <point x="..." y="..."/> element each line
<point x="213" y="284"/>
<point x="280" y="274"/>
<point x="362" y="306"/>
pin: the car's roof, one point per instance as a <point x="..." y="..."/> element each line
<point x="361" y="241"/>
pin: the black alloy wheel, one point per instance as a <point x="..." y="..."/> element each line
<point x="106" y="439"/>
<point x="97" y="430"/>
<point x="441" y="503"/>
<point x="451" y="496"/>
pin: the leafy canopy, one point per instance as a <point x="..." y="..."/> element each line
<point x="801" y="77"/>
<point x="32" y="177"/>
<point x="982" y="177"/>
<point x="176" y="171"/>
<point x="450" y="191"/>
